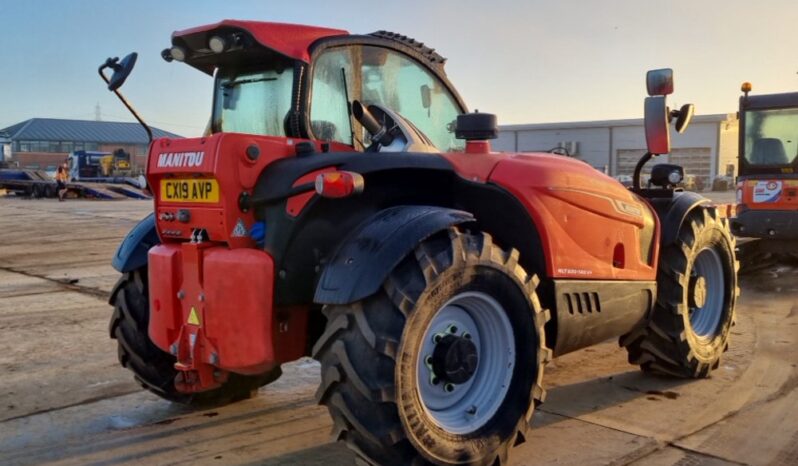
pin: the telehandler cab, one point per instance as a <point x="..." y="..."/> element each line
<point x="345" y="205"/>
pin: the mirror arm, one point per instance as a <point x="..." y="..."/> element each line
<point x="124" y="101"/>
<point x="639" y="168"/>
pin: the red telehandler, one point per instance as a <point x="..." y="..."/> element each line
<point x="346" y="205"/>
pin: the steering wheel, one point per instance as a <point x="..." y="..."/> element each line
<point x="390" y="132"/>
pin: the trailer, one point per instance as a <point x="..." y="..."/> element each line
<point x="31" y="183"/>
<point x="38" y="184"/>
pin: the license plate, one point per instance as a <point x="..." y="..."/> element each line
<point x="196" y="190"/>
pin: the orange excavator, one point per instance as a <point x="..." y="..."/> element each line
<point x="767" y="182"/>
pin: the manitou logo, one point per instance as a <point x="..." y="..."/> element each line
<point x="180" y="159"/>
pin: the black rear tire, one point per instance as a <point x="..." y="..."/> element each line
<point x="672" y="343"/>
<point x="370" y="352"/>
<point x="50" y="191"/>
<point x="153" y="368"/>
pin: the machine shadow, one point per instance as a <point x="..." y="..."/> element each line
<point x="563" y="402"/>
<point x="589" y="396"/>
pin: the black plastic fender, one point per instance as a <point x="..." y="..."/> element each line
<point x="672" y="212"/>
<point x="132" y="252"/>
<point x="363" y="261"/>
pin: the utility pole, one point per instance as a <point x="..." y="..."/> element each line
<point x="98" y="116"/>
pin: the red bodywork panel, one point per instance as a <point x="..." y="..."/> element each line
<point x="291" y="40"/>
<point x="221" y="157"/>
<point x="199" y="311"/>
<point x="590" y="226"/>
<point x="583" y="216"/>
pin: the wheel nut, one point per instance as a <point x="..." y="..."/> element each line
<point x="436" y="338"/>
<point x="453" y="329"/>
<point x="449" y="387"/>
<point x="471" y="410"/>
<point x="434" y="380"/>
<point x="466" y="335"/>
<point x="428" y="360"/>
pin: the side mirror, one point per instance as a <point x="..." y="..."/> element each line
<point x="121" y="69"/>
<point x="657" y="117"/>
<point x="659" y="82"/>
<point x="683" y="117"/>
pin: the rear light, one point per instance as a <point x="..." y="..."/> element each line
<point x="339" y="184"/>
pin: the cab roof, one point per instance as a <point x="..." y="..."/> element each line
<point x="290" y="40"/>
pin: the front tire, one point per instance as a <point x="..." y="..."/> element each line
<point x="696" y="298"/>
<point x="444" y="364"/>
<point x="153" y="368"/>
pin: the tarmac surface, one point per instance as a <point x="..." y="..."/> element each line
<point x="64" y="399"/>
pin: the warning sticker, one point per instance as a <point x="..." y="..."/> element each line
<point x="240" y="229"/>
<point x="767" y="191"/>
<point x="193" y="317"/>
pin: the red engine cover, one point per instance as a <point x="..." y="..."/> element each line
<point x="590" y="226"/>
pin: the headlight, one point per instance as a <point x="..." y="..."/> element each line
<point x="218" y="44"/>
<point x="178" y="53"/>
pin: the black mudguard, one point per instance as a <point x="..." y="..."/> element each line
<point x="363" y="261"/>
<point x="132" y="252"/>
<point x="673" y="210"/>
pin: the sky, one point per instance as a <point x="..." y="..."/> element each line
<point x="528" y="61"/>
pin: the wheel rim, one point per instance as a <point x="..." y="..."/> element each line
<point x="470" y="321"/>
<point x="706" y="293"/>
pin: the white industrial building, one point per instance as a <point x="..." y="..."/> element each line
<point x="705" y="150"/>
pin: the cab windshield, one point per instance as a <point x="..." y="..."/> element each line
<point x="771" y="137"/>
<point x="252" y="101"/>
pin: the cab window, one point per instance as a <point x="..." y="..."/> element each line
<point x="253" y="101"/>
<point x="771" y="137"/>
<point x="405" y="86"/>
<point x="330" y="93"/>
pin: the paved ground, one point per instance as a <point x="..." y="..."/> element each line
<point x="65" y="400"/>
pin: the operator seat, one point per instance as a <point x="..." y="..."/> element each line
<point x="769" y="151"/>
